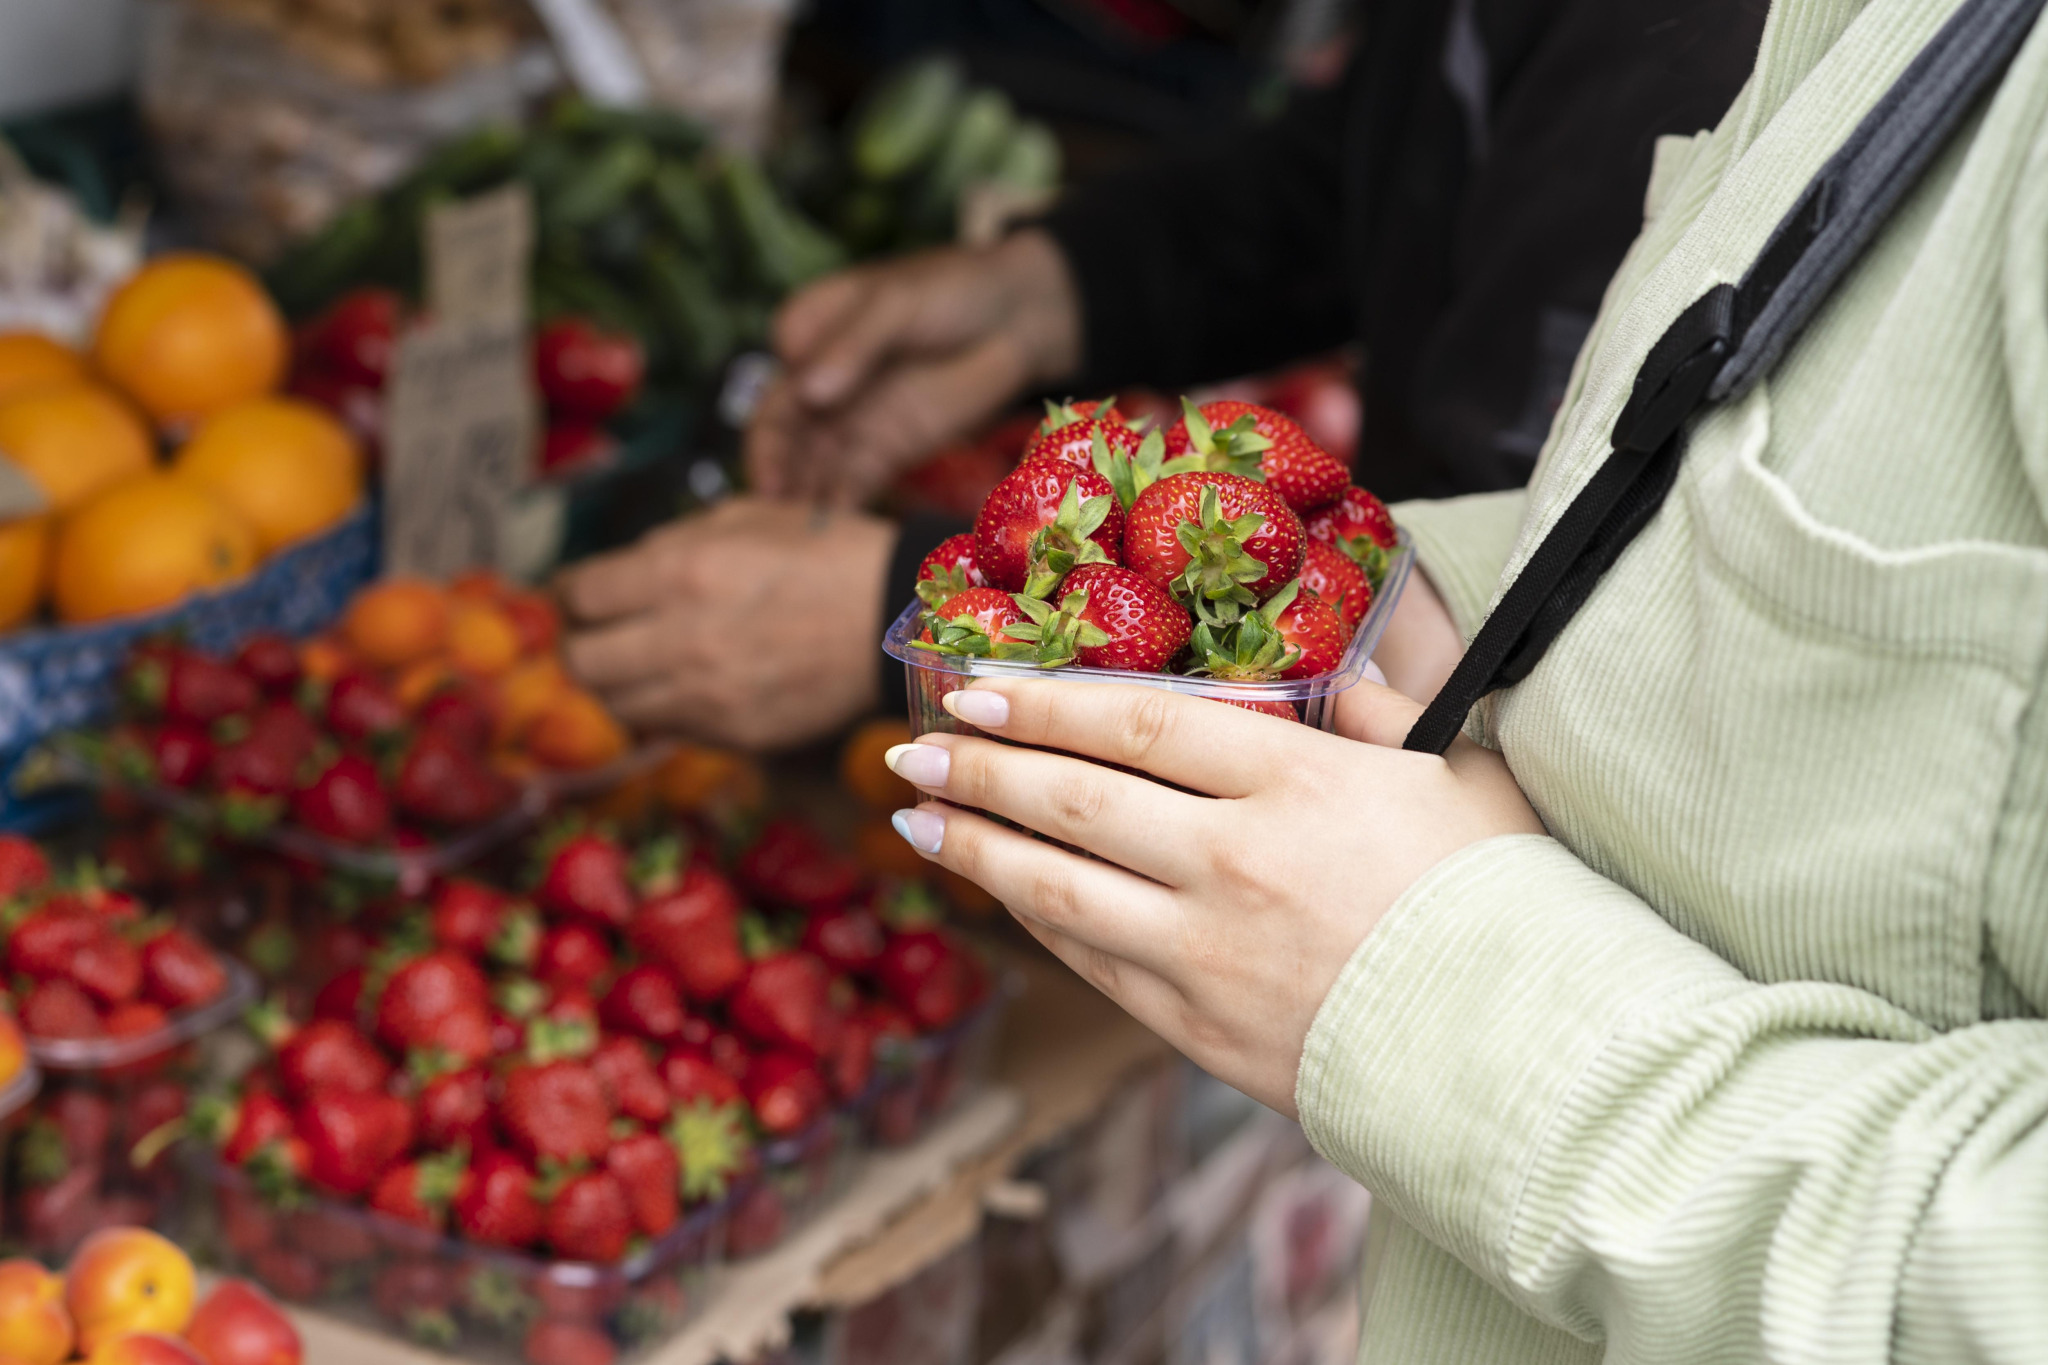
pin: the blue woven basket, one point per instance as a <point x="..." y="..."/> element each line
<point x="63" y="677"/>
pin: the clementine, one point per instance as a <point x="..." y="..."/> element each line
<point x="30" y="360"/>
<point x="190" y="334"/>
<point x="24" y="565"/>
<point x="864" y="771"/>
<point x="35" y="1327"/>
<point x="73" y="440"/>
<point x="124" y="1280"/>
<point x="395" y="622"/>
<point x="285" y="464"/>
<point x="143" y="544"/>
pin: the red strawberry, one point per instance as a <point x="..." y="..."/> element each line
<point x="790" y="864"/>
<point x="59" y="1009"/>
<point x="22" y="866"/>
<point x="1358" y="524"/>
<point x="194" y="688"/>
<point x="353" y="337"/>
<point x="443" y="782"/>
<point x="848" y="940"/>
<point x="258" y="1120"/>
<point x="925" y="973"/>
<point x="586" y="878"/>
<point x="344" y="802"/>
<point x="786" y="1092"/>
<point x="498" y="1207"/>
<point x="1058" y="415"/>
<point x="572" y="954"/>
<point x="1336" y="578"/>
<point x="556" y="1111"/>
<point x="484" y="922"/>
<point x="693" y="930"/>
<point x="328" y="1055"/>
<point x="692" y="1078"/>
<point x="567" y="1341"/>
<point x="573" y="1007"/>
<point x="785" y="1002"/>
<point x="179" y="972"/>
<point x="589" y="1219"/>
<point x="270" y="661"/>
<point x="44" y="943"/>
<point x="455" y="1110"/>
<point x="265" y="761"/>
<point x="418" y="1294"/>
<point x="106" y="966"/>
<point x="134" y="1019"/>
<point x="978" y="621"/>
<point x="419" y="1192"/>
<point x="1073" y="441"/>
<point x="949" y="570"/>
<point x="1111" y="617"/>
<point x="352" y="1138"/>
<point x="645" y="1003"/>
<point x="852" y="1063"/>
<point x="1244" y="438"/>
<point x="650" y="1175"/>
<point x="291" y="1275"/>
<point x="457" y="712"/>
<point x="1247" y="540"/>
<point x="1311" y="625"/>
<point x="438" y="1000"/>
<point x="634" y="1086"/>
<point x="180" y="754"/>
<point x="1045" y="517"/>
<point x="359" y="707"/>
<point x="342" y="997"/>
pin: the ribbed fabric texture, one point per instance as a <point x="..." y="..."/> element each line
<point x="1748" y="1061"/>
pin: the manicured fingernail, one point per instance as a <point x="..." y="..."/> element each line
<point x="986" y="709"/>
<point x="923" y="830"/>
<point x="1372" y="670"/>
<point x="921" y="765"/>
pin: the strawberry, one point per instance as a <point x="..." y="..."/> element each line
<point x="978" y="622"/>
<point x="1358" y="524"/>
<point x="359" y="707"/>
<point x="22" y="866"/>
<point x="1221" y="543"/>
<point x="134" y="1019"/>
<point x="925" y="973"/>
<point x="693" y="930"/>
<point x="948" y="570"/>
<point x="852" y="1063"/>
<point x="342" y="997"/>
<point x="179" y="972"/>
<point x="786" y="1092"/>
<point x="572" y="954"/>
<point x="1244" y="438"/>
<point x="291" y="1275"/>
<point x="789" y="864"/>
<point x="187" y="686"/>
<point x="351" y="1138"/>
<point x="1313" y="627"/>
<point x="106" y="966"/>
<point x="418" y="1294"/>
<point x="729" y="1053"/>
<point x="692" y="1078"/>
<point x="419" y="1192"/>
<point x="785" y="1002"/>
<point x="1058" y="415"/>
<point x="1109" y="617"/>
<point x="556" y="1111"/>
<point x="651" y="1177"/>
<point x="1045" y="517"/>
<point x="271" y="662"/>
<point x="847" y="940"/>
<point x="59" y="1009"/>
<point x="1336" y="578"/>
<point x="444" y="782"/>
<point x="344" y="802"/>
<point x="644" y="1003"/>
<point x="180" y="753"/>
<point x="457" y="712"/>
<point x="498" y="1208"/>
<point x="567" y="1341"/>
<point x="585" y="877"/>
<point x="44" y="942"/>
<point x="265" y="760"/>
<point x="571" y="1007"/>
<point x="630" y="1080"/>
<point x="455" y="1111"/>
<point x="711" y="1145"/>
<point x="483" y="922"/>
<point x="438" y="1000"/>
<point x="248" y="1126"/>
<point x="1291" y="635"/>
<point x="590" y="1219"/>
<point x="1073" y="441"/>
<point x="328" y="1055"/>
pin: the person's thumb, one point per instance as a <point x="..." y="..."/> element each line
<point x="1374" y="713"/>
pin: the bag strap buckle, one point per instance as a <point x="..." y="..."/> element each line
<point x="1678" y="371"/>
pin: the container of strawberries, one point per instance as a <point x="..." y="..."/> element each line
<point x="114" y="1000"/>
<point x="1227" y="556"/>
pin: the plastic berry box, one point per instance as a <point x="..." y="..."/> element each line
<point x="797" y="1175"/>
<point x="920" y="1081"/>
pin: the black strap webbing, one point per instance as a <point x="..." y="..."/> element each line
<point x="1726" y="340"/>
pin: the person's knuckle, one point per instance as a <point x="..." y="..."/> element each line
<point x="1147" y="724"/>
<point x="1077" y="798"/>
<point x="1239" y="871"/>
<point x="1054" y="897"/>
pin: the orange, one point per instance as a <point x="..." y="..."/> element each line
<point x="35" y="1327"/>
<point x="30" y="360"/>
<point x="397" y="622"/>
<point x="421" y="679"/>
<point x="124" y="1280"/>
<point x="74" y="440"/>
<point x="288" y="467"/>
<point x="526" y="691"/>
<point x="481" y="638"/>
<point x="143" y="544"/>
<point x="863" y="772"/>
<point x="575" y="733"/>
<point x="190" y="334"/>
<point x="24" y="565"/>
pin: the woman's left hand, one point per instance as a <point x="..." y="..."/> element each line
<point x="1221" y="914"/>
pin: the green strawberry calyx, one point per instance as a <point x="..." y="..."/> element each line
<point x="711" y="1145"/>
<point x="559" y="1040"/>
<point x="945" y="584"/>
<point x="1237" y="449"/>
<point x="1369" y="555"/>
<point x="1130" y="475"/>
<point x="1217" y="580"/>
<point x="1057" y="635"/>
<point x="963" y="635"/>
<point x="1249" y="649"/>
<point x="1056" y="548"/>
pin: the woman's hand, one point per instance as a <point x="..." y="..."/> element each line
<point x="1221" y="915"/>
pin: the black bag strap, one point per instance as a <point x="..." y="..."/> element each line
<point x="1725" y="341"/>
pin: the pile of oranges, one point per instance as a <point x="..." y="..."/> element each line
<point x="187" y="356"/>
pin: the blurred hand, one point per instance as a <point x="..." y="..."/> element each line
<point x="888" y="362"/>
<point x="1422" y="644"/>
<point x="752" y="625"/>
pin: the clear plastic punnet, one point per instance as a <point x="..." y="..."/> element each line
<point x="931" y="676"/>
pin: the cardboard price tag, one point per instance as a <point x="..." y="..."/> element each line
<point x="476" y="256"/>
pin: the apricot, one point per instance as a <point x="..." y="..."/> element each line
<point x="397" y="622"/>
<point x="324" y="658"/>
<point x="421" y="679"/>
<point x="535" y="618"/>
<point x="35" y="1327"/>
<point x="144" y="1348"/>
<point x="481" y="638"/>
<point x="863" y="771"/>
<point x="127" y="1280"/>
<point x="575" y="733"/>
<point x="13" y="1057"/>
<point x="694" y="779"/>
<point x="523" y="693"/>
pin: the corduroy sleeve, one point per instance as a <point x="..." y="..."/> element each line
<point x="1639" y="1145"/>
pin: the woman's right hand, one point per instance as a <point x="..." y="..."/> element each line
<point x="886" y="363"/>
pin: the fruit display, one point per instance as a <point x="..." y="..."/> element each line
<point x="130" y="1297"/>
<point x="1227" y="548"/>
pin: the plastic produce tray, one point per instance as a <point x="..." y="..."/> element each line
<point x="920" y="1081"/>
<point x="119" y="1054"/>
<point x="798" y="1175"/>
